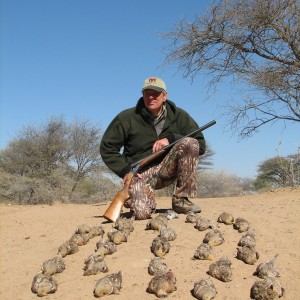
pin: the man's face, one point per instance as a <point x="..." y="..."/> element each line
<point x="154" y="100"/>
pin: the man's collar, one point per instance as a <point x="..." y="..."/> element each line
<point x="162" y="113"/>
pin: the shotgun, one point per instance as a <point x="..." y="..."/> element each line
<point x="114" y="210"/>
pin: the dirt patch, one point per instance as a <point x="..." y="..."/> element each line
<point x="32" y="234"/>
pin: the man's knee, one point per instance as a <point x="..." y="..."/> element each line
<point x="188" y="145"/>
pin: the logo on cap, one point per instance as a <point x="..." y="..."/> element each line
<point x="153" y="79"/>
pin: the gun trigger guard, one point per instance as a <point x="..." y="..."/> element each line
<point x="135" y="169"/>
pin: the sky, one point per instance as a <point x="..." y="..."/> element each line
<point x="87" y="60"/>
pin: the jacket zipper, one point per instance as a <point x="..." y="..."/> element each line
<point x="164" y="129"/>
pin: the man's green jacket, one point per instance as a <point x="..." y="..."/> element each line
<point x="131" y="135"/>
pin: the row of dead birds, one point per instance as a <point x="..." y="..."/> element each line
<point x="164" y="280"/>
<point x="43" y="282"/>
<point x="111" y="284"/>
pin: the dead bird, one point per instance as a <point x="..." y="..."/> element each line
<point x="267" y="269"/>
<point x="96" y="231"/>
<point x="168" y="233"/>
<point x="94" y="258"/>
<point x="53" y="266"/>
<point x="124" y="224"/>
<point x="226" y="218"/>
<point x="171" y="214"/>
<point x="83" y="228"/>
<point x="213" y="238"/>
<point x="105" y="247"/>
<point x="95" y="264"/>
<point x="248" y="239"/>
<point x="160" y="246"/>
<point x="80" y="239"/>
<point x="268" y="289"/>
<point x="203" y="224"/>
<point x="204" y="252"/>
<point x="247" y="254"/>
<point x="117" y="237"/>
<point x="67" y="248"/>
<point x="162" y="217"/>
<point x="241" y="225"/>
<point x="156" y="224"/>
<point x="251" y="232"/>
<point x="110" y="284"/>
<point x="204" y="289"/>
<point x="94" y="268"/>
<point x="163" y="284"/>
<point x="191" y="217"/>
<point x="43" y="285"/>
<point x="221" y="269"/>
<point x="157" y="265"/>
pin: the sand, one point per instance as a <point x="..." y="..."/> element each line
<point x="32" y="234"/>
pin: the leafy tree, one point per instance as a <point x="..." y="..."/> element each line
<point x="277" y="171"/>
<point x="37" y="152"/>
<point x="261" y="184"/>
<point x="254" y="42"/>
<point x="47" y="162"/>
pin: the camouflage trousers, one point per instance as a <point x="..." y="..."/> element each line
<point x="179" y="164"/>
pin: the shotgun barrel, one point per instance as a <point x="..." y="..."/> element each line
<point x="142" y="162"/>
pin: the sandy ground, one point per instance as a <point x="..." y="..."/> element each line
<point x="32" y="234"/>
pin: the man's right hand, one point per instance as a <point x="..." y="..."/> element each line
<point x="160" y="144"/>
<point x="125" y="178"/>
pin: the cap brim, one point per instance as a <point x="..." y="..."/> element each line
<point x="151" y="87"/>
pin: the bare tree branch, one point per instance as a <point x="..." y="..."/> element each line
<point x="256" y="43"/>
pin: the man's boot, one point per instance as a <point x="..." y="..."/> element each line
<point x="182" y="205"/>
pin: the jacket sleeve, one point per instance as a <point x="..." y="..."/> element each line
<point x="110" y="148"/>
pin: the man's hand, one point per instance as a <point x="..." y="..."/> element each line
<point x="126" y="177"/>
<point x="160" y="144"/>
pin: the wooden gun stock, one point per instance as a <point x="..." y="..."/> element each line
<point x="114" y="210"/>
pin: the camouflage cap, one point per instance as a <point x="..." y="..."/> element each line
<point x="154" y="83"/>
